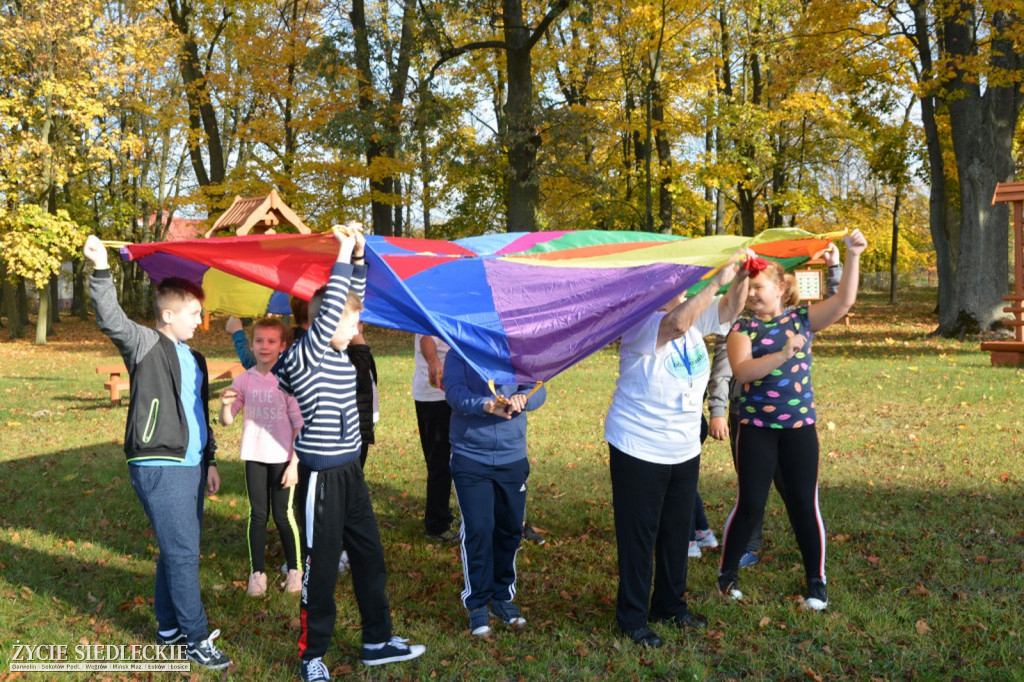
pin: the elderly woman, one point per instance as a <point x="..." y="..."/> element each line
<point x="653" y="434"/>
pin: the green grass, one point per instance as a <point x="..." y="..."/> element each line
<point x="921" y="482"/>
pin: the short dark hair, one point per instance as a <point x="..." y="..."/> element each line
<point x="300" y="310"/>
<point x="173" y="292"/>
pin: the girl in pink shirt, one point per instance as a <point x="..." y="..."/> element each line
<point x="272" y="420"/>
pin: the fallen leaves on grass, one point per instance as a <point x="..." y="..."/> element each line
<point x="922" y="627"/>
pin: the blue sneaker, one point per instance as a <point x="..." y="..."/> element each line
<point x="749" y="559"/>
<point x="206" y="653"/>
<point x="393" y="651"/>
<point x="480" y="623"/>
<point x="508" y="613"/>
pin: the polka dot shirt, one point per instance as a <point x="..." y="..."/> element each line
<point x="784" y="399"/>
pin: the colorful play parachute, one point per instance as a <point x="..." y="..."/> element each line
<point x="519" y="307"/>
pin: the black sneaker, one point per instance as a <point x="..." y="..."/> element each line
<point x="817" y="595"/>
<point x="397" y="649"/>
<point x="206" y="653"/>
<point x="691" y="620"/>
<point x="529" y="533"/>
<point x="177" y="638"/>
<point x="314" y="670"/>
<point x="645" y="637"/>
<point x="447" y="535"/>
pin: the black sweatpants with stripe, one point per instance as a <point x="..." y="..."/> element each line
<point x="758" y="452"/>
<point x="338" y="512"/>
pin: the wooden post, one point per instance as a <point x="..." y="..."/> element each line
<point x="1012" y="352"/>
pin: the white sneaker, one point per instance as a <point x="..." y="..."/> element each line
<point x="706" y="539"/>
<point x="694" y="552"/>
<point x="343" y="563"/>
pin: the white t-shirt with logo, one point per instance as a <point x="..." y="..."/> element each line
<point x="421" y="388"/>
<point x="658" y="402"/>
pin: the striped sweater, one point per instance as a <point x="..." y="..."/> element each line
<point x="323" y="380"/>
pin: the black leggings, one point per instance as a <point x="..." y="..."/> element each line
<point x="758" y="452"/>
<point x="263" y="486"/>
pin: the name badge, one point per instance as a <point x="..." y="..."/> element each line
<point x="691" y="401"/>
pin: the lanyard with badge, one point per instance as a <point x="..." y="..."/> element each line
<point x="690" y="401"/>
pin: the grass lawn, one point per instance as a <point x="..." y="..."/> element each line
<point x="921" y="481"/>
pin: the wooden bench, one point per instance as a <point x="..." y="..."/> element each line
<point x="118" y="380"/>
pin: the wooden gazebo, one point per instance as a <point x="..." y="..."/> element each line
<point x="257" y="215"/>
<point x="1012" y="352"/>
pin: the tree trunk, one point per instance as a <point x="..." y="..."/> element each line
<point x="202" y="117"/>
<point x="664" y="160"/>
<point x="894" y="254"/>
<point x="982" y="127"/>
<point x="523" y="191"/>
<point x="79" y="305"/>
<point x="54" y="293"/>
<point x="14" y="325"/>
<point x="42" y="317"/>
<point x="23" y="301"/>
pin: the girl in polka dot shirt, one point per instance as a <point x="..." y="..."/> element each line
<point x="770" y="354"/>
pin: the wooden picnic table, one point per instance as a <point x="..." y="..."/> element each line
<point x="118" y="373"/>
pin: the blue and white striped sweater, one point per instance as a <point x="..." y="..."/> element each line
<point x="323" y="380"/>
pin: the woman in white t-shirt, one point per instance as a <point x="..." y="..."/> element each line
<point x="653" y="434"/>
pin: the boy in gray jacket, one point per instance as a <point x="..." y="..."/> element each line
<point x="168" y="445"/>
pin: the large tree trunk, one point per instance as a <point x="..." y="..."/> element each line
<point x="384" y="120"/>
<point x="43" y="317"/>
<point x="982" y="127"/>
<point x="523" y="190"/>
<point x="894" y="253"/>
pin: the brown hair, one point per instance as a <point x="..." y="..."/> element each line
<point x="174" y="292"/>
<point x="300" y="310"/>
<point x="353" y="304"/>
<point x="785" y="280"/>
<point x="272" y="323"/>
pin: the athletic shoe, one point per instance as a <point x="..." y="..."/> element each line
<point x="293" y="583"/>
<point x="529" y="533"/>
<point x="343" y="563"/>
<point x="480" y="623"/>
<point x="706" y="539"/>
<point x="257" y="584"/>
<point x="691" y="620"/>
<point x="645" y="637"/>
<point x="393" y="651"/>
<point x="314" y="670"/>
<point x="749" y="559"/>
<point x="447" y="535"/>
<point x="508" y="613"/>
<point x="817" y="596"/>
<point x="694" y="551"/>
<point x="206" y="653"/>
<point x="176" y="637"/>
<point x="729" y="588"/>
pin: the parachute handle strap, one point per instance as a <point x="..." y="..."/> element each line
<point x="502" y="400"/>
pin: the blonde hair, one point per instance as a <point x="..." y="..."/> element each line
<point x="786" y="282"/>
<point x="272" y="323"/>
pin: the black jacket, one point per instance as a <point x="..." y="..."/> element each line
<point x="156" y="427"/>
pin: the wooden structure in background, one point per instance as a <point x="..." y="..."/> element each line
<point x="257" y="215"/>
<point x="1012" y="352"/>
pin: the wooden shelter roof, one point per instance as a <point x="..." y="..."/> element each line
<point x="257" y="215"/>
<point x="1008" y="191"/>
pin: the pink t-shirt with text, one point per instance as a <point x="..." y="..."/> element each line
<point x="271" y="417"/>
